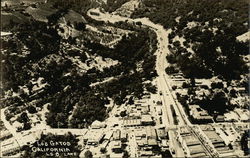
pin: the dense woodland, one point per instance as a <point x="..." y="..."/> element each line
<point x="38" y="51"/>
<point x="203" y="44"/>
<point x="82" y="6"/>
<point x="210" y="47"/>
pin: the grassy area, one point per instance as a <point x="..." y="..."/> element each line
<point x="9" y="20"/>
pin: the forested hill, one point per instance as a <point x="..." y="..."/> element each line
<point x="165" y="12"/>
<point x="203" y="39"/>
<point x="82" y="6"/>
<point x="61" y="61"/>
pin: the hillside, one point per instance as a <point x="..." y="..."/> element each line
<point x="73" y="68"/>
<point x="203" y="38"/>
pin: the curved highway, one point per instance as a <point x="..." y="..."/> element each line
<point x="162" y="80"/>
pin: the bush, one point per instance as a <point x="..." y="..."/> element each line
<point x="174" y="87"/>
<point x="171" y="70"/>
<point x="217" y="85"/>
<point x="31" y="109"/>
<point x="151" y="88"/>
<point x="185" y="85"/>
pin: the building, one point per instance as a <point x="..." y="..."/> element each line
<point x="243" y="114"/>
<point x="9" y="147"/>
<point x="162" y="133"/>
<point x="5" y="135"/>
<point x="135" y="115"/>
<point x="116" y="146"/>
<point x="124" y="136"/>
<point x="146" y="139"/>
<point x="229" y="135"/>
<point x="5" y="34"/>
<point x="140" y="134"/>
<point x="117" y="135"/>
<point x="231" y="116"/>
<point x="131" y="122"/>
<point x="241" y="126"/>
<point x="190" y="143"/>
<point x="220" y="118"/>
<point x="93" y="137"/>
<point x="145" y="153"/>
<point x="147" y="120"/>
<point x="218" y="143"/>
<point x="29" y="137"/>
<point x="164" y="144"/>
<point x="151" y="133"/>
<point x="97" y="125"/>
<point x="159" y="111"/>
<point x="152" y="142"/>
<point x="199" y="115"/>
<point x="108" y="135"/>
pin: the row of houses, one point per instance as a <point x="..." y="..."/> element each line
<point x="217" y="141"/>
<point x="190" y="144"/>
<point x="9" y="147"/>
<point x="146" y="141"/>
<point x="199" y="115"/>
<point x="143" y="120"/>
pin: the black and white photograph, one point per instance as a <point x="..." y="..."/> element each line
<point x="124" y="79"/>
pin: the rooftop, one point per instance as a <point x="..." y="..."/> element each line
<point x="214" y="137"/>
<point x="116" y="145"/>
<point x="191" y="140"/>
<point x="94" y="136"/>
<point x="152" y="142"/>
<point x="131" y="122"/>
<point x="117" y="134"/>
<point x="151" y="133"/>
<point x="146" y="118"/>
<point x="184" y="130"/>
<point x="196" y="149"/>
<point x="97" y="124"/>
<point x="199" y="113"/>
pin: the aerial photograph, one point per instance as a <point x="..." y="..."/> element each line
<point x="124" y="79"/>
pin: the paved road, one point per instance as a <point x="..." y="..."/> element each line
<point x="168" y="97"/>
<point x="161" y="64"/>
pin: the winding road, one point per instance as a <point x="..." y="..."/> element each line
<point x="162" y="80"/>
<point x="161" y="64"/>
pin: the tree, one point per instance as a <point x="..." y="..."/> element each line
<point x="32" y="109"/>
<point x="151" y="88"/>
<point x="219" y="102"/>
<point x="233" y="93"/>
<point x="9" y="116"/>
<point x="174" y="87"/>
<point x="230" y="146"/>
<point x="167" y="154"/>
<point x="192" y="81"/>
<point x="24" y="117"/>
<point x="103" y="150"/>
<point x="185" y="85"/>
<point x="131" y="100"/>
<point x="126" y="154"/>
<point x="171" y="69"/>
<point x="138" y="23"/>
<point x="26" y="126"/>
<point x="191" y="91"/>
<point x="217" y="85"/>
<point x="123" y="113"/>
<point x="88" y="154"/>
<point x="244" y="142"/>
